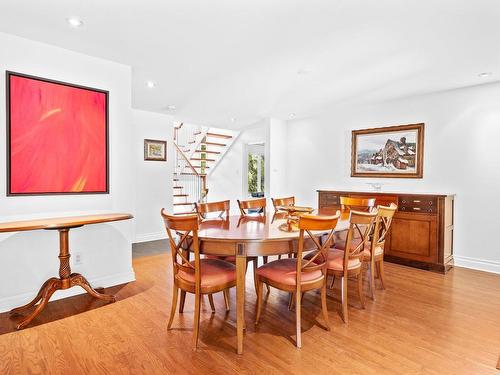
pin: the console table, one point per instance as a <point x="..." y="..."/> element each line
<point x="66" y="279"/>
<point x="422" y="229"/>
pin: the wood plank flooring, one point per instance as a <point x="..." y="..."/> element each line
<point x="424" y="323"/>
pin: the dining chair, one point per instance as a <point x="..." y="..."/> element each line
<point x="374" y="252"/>
<point x="221" y="207"/>
<point x="298" y="275"/>
<point x="352" y="203"/>
<point x="251" y="206"/>
<point x="347" y="263"/>
<point x="277" y="202"/>
<point x="199" y="276"/>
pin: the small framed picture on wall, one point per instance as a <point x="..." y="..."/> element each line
<point x="155" y="150"/>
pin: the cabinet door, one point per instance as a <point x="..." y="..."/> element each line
<point x="414" y="236"/>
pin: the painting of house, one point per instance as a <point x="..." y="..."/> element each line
<point x="395" y="151"/>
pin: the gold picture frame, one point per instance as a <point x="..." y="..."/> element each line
<point x="155" y="150"/>
<point x="388" y="152"/>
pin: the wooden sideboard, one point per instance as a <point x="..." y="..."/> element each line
<point x="422" y="229"/>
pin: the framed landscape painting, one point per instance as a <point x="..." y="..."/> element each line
<point x="391" y="152"/>
<point x="57" y="137"/>
<point x="155" y="150"/>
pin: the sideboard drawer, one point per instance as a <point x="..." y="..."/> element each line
<point x="418" y="204"/>
<point x="328" y="200"/>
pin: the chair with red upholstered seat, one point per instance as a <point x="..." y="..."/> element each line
<point x="374" y="252"/>
<point x="200" y="276"/>
<point x="352" y="203"/>
<point x="299" y="275"/>
<point x="347" y="263"/>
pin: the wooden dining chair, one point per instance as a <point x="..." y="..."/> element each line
<point x="347" y="263"/>
<point x="374" y="252"/>
<point x="221" y="207"/>
<point x="199" y="276"/>
<point x="279" y="202"/>
<point x="352" y="203"/>
<point x="252" y="206"/>
<point x="300" y="275"/>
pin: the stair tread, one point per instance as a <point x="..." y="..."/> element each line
<point x="216" y="144"/>
<point x="199" y="166"/>
<point x="209" y="151"/>
<point x="183" y="204"/>
<point x="202" y="159"/>
<point x="218" y="135"/>
<point x="180" y="195"/>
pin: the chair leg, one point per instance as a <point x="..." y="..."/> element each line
<point x="264" y="259"/>
<point x="372" y="280"/>
<point x="196" y="331"/>
<point x="226" y="298"/>
<point x="381" y="273"/>
<point x="181" y="304"/>
<point x="333" y="282"/>
<point x="259" y="301"/>
<point x="360" y="290"/>
<point x="344" y="299"/>
<point x="175" y="293"/>
<point x="323" y="307"/>
<point x="298" y="318"/>
<point x="291" y="300"/>
<point x="255" y="283"/>
<point x="211" y="300"/>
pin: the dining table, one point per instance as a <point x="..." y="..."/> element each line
<point x="253" y="236"/>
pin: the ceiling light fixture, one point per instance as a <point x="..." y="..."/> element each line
<point x="232" y="119"/>
<point x="74" y="22"/>
<point x="292" y="115"/>
<point x="151" y="84"/>
<point x="171" y="107"/>
<point x="302" y="72"/>
<point x="485" y="74"/>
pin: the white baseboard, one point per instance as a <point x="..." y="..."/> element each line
<point x="477" y="264"/>
<point x="146" y="237"/>
<point x="8" y="303"/>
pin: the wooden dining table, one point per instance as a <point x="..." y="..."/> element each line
<point x="66" y="278"/>
<point x="251" y="236"/>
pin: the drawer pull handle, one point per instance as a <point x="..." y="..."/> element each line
<point x="416" y="208"/>
<point x="416" y="201"/>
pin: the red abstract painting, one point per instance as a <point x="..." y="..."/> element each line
<point x="57" y="137"/>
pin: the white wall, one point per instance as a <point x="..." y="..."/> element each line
<point x="153" y="179"/>
<point x="27" y="259"/>
<point x="462" y="135"/>
<point x="278" y="159"/>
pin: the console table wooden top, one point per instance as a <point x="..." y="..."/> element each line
<point x="61" y="222"/>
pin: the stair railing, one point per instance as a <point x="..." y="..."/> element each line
<point x="194" y="184"/>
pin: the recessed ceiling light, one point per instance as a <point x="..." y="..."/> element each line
<point x="292" y="115"/>
<point x="232" y="119"/>
<point x="302" y="71"/>
<point x="75" y="22"/>
<point x="150" y="84"/>
<point x="171" y="107"/>
<point x="485" y="74"/>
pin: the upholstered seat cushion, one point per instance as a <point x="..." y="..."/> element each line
<point x="367" y="252"/>
<point x="230" y="258"/>
<point x="284" y="271"/>
<point x="336" y="260"/>
<point x="213" y="272"/>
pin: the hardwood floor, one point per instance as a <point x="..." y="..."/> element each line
<point x="424" y="323"/>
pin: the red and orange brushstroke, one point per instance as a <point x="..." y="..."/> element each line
<point x="57" y="138"/>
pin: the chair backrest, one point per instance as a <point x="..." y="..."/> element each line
<point x="289" y="201"/>
<point x="362" y="224"/>
<point x="186" y="226"/>
<point x="357" y="204"/>
<point x="382" y="226"/>
<point x="221" y="207"/>
<point x="252" y="204"/>
<point x="307" y="224"/>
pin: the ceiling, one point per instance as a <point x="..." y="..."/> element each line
<point x="219" y="60"/>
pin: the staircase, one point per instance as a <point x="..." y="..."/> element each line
<point x="198" y="150"/>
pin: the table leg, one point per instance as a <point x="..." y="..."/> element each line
<point x="66" y="280"/>
<point x="241" y="263"/>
